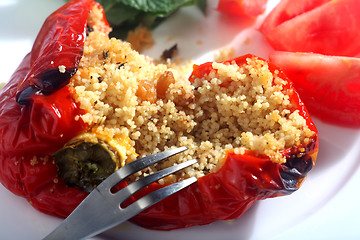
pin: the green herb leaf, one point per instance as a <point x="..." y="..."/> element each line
<point x="125" y="15"/>
<point x="160" y="7"/>
<point x="201" y="4"/>
<point x="120" y="13"/>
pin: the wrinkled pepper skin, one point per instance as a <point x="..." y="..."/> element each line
<point x="37" y="112"/>
<point x="37" y="117"/>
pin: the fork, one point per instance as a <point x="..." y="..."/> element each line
<point x="102" y="210"/>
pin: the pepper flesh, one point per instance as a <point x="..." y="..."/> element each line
<point x="46" y="121"/>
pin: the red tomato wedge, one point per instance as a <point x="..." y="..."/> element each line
<point x="251" y="8"/>
<point x="328" y="85"/>
<point x="328" y="27"/>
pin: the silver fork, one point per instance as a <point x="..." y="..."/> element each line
<point x="101" y="210"/>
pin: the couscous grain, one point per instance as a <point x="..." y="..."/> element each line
<point x="124" y="99"/>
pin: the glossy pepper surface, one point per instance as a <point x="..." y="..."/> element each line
<point x="37" y="118"/>
<point x="37" y="112"/>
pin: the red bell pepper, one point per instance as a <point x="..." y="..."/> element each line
<point x="37" y="117"/>
<point x="37" y="112"/>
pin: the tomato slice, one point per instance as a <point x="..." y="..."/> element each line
<point x="321" y="26"/>
<point x="328" y="85"/>
<point x="251" y="8"/>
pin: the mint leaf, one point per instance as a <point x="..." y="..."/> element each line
<point x="201" y="4"/>
<point x="126" y="15"/>
<point x="160" y="7"/>
<point x="120" y="13"/>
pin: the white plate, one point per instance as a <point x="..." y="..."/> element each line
<point x="325" y="207"/>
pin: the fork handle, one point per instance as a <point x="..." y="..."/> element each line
<point x="85" y="219"/>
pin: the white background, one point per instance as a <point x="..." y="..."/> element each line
<point x="327" y="206"/>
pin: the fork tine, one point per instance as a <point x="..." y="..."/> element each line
<point x="101" y="210"/>
<point x="136" y="166"/>
<point x="158" y="195"/>
<point x="134" y="187"/>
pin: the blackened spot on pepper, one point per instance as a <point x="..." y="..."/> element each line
<point x="52" y="79"/>
<point x="294" y="170"/>
<point x="48" y="82"/>
<point x="300" y="166"/>
<point x="24" y="97"/>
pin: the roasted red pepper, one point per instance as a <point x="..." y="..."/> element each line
<point x="37" y="117"/>
<point x="37" y="112"/>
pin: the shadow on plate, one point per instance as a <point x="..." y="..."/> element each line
<point x="335" y="143"/>
<point x="238" y="229"/>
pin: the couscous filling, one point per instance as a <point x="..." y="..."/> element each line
<point x="152" y="107"/>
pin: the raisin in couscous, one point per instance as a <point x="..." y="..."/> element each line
<point x="153" y="107"/>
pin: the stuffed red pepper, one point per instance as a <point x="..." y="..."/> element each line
<point x="81" y="105"/>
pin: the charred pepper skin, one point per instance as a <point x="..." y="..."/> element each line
<point x="37" y="112"/>
<point x="57" y="49"/>
<point x="37" y="118"/>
